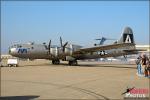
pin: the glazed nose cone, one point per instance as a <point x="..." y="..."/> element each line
<point x="12" y="51"/>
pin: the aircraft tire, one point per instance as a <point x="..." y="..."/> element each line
<point x="55" y="62"/>
<point x="70" y="63"/>
<point x="9" y="65"/>
<point x="73" y="63"/>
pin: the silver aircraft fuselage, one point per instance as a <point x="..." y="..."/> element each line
<point x="39" y="51"/>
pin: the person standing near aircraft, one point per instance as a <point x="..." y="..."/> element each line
<point x="138" y="62"/>
<point x="147" y="68"/>
<point x="144" y="59"/>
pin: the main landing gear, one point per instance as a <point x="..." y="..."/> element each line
<point x="56" y="62"/>
<point x="73" y="63"/>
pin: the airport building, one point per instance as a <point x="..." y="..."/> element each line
<point x="145" y="47"/>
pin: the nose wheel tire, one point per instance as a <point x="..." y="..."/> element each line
<point x="55" y="62"/>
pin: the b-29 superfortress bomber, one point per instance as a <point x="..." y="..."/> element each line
<point x="71" y="52"/>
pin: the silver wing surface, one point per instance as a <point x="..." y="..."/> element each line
<point x="107" y="47"/>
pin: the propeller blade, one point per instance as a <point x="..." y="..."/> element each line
<point x="65" y="44"/>
<point x="61" y="42"/>
<point x="49" y="46"/>
<point x="97" y="39"/>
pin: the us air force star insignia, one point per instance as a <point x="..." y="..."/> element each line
<point x="102" y="53"/>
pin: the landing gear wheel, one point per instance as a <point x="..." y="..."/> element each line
<point x="73" y="63"/>
<point x="55" y="62"/>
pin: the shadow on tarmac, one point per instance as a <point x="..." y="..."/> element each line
<point x="100" y="65"/>
<point x="29" y="97"/>
<point x="59" y="86"/>
<point x="104" y="65"/>
<point x="127" y="66"/>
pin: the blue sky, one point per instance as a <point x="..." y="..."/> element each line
<point x="78" y="22"/>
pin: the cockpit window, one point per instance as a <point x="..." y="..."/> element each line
<point x="19" y="46"/>
<point x="16" y="46"/>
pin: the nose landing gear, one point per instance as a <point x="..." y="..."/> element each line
<point x="71" y="63"/>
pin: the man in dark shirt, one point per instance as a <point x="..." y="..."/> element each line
<point x="144" y="59"/>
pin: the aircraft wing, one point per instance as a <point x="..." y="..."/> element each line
<point x="135" y="50"/>
<point x="106" y="47"/>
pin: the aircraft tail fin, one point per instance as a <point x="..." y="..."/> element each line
<point x="127" y="36"/>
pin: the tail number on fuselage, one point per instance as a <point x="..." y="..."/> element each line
<point x="22" y="50"/>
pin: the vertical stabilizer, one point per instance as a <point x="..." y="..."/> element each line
<point x="127" y="36"/>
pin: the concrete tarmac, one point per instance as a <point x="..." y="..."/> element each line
<point x="40" y="79"/>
